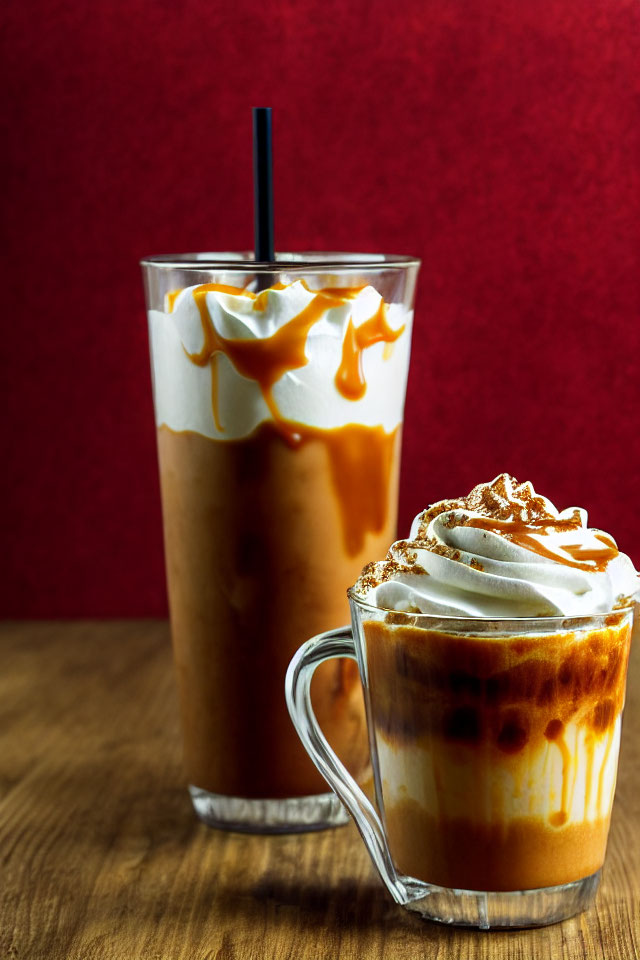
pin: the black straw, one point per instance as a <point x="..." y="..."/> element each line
<point x="262" y="184"/>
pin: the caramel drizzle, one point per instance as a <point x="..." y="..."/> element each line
<point x="266" y="360"/>
<point x="589" y="745"/>
<point x="603" y="770"/>
<point x="350" y="379"/>
<point x="520" y="532"/>
<point x="555" y="733"/>
<point x="361" y="460"/>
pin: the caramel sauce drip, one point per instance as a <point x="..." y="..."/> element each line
<point x="585" y="554"/>
<point x="213" y="363"/>
<point x="361" y="461"/>
<point x="350" y="379"/>
<point x="603" y="768"/>
<point x="589" y="744"/>
<point x="263" y="360"/>
<point x="521" y="532"/>
<point x="554" y="732"/>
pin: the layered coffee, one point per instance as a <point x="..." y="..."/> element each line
<point x="279" y="419"/>
<point x="497" y="743"/>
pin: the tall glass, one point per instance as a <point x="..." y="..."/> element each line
<point x="494" y="746"/>
<point x="279" y="393"/>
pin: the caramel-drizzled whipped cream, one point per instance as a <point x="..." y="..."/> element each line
<point x="501" y="551"/>
<point x="226" y="359"/>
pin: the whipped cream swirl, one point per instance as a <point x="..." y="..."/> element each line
<point x="502" y="551"/>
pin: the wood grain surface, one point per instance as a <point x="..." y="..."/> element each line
<point x="102" y="857"/>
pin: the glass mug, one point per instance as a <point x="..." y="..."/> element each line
<point x="494" y="746"/>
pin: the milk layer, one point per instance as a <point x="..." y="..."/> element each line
<point x="563" y="785"/>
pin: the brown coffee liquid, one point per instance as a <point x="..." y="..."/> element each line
<point x="263" y="537"/>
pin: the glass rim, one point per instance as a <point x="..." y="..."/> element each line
<point x="305" y="261"/>
<point x="564" y="620"/>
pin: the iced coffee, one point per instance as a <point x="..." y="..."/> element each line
<point x="279" y="402"/>
<point x="496" y="648"/>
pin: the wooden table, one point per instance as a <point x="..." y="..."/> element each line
<point x="102" y="857"/>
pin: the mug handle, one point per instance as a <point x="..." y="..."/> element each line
<point x="327" y="646"/>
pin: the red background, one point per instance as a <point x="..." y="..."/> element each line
<point x="496" y="139"/>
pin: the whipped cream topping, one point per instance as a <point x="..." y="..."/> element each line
<point x="501" y="551"/>
<point x="211" y="377"/>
